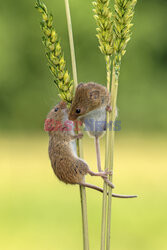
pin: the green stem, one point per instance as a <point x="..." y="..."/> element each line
<point x="79" y="147"/>
<point x="70" y="33"/>
<point x="104" y="204"/>
<point x="104" y="215"/>
<point x="114" y="91"/>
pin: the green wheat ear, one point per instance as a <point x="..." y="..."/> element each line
<point x="55" y="55"/>
<point x="124" y="12"/>
<point x="103" y="17"/>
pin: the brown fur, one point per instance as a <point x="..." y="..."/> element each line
<point x="67" y="167"/>
<point x="88" y="97"/>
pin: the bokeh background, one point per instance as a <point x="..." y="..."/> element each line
<point x="38" y="212"/>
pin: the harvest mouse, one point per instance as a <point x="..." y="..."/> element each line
<point x="90" y="103"/>
<point x="66" y="165"/>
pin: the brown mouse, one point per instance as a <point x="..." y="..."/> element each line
<point x="90" y="103"/>
<point x="66" y="165"/>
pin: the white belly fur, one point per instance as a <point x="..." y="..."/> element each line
<point x="95" y="117"/>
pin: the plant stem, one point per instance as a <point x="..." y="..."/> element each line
<point x="70" y="33"/>
<point x="104" y="204"/>
<point x="79" y="147"/>
<point x="114" y="90"/>
<point x="97" y="144"/>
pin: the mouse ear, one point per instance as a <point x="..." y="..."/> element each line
<point x="94" y="94"/>
<point x="63" y="104"/>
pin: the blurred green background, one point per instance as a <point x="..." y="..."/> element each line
<point x="39" y="212"/>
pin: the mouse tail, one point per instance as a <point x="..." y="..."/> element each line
<point x="91" y="186"/>
<point x="124" y="196"/>
<point x="101" y="190"/>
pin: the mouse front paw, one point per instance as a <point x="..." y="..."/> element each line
<point x="103" y="174"/>
<point x="108" y="172"/>
<point x="109" y="108"/>
<point x="79" y="136"/>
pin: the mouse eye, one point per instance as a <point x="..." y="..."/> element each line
<point x="78" y="111"/>
<point x="56" y="109"/>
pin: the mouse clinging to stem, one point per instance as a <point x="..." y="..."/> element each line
<point x="66" y="165"/>
<point x="90" y="103"/>
<point x="69" y="168"/>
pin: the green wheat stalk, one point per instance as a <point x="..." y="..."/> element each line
<point x="104" y="29"/>
<point x="54" y="54"/>
<point x="104" y="26"/>
<point x="66" y="86"/>
<point x="79" y="143"/>
<point x="124" y="12"/>
<point x="113" y="35"/>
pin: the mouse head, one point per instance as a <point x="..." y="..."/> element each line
<point x="58" y="111"/>
<point x="58" y="114"/>
<point x="88" y="97"/>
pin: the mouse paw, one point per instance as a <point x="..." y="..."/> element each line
<point x="108" y="108"/>
<point x="103" y="174"/>
<point x="80" y="135"/>
<point x="108" y="172"/>
<point x="109" y="183"/>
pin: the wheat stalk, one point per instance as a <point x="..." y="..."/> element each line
<point x="113" y="35"/>
<point x="55" y="56"/>
<point x="124" y="12"/>
<point x="66" y="86"/>
<point x="79" y="144"/>
<point x="104" y="28"/>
